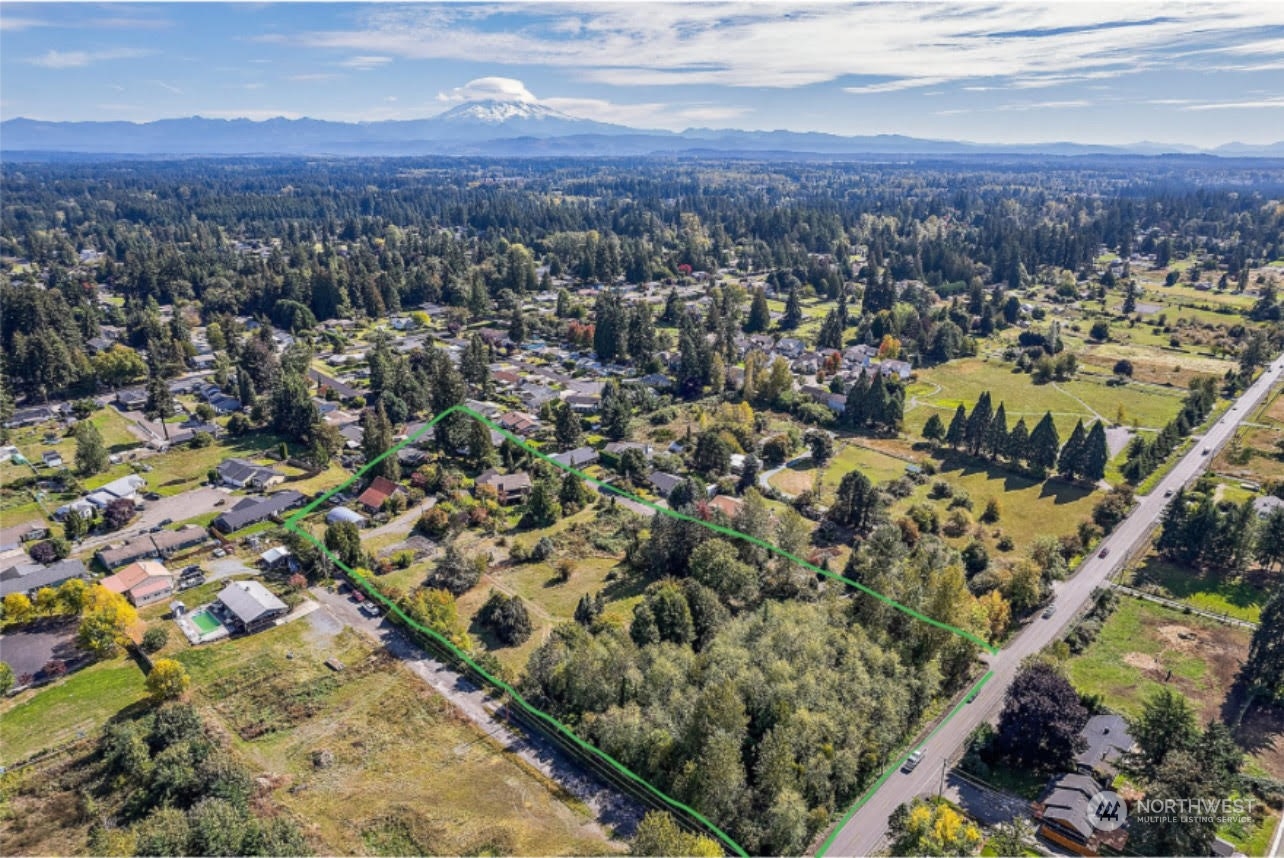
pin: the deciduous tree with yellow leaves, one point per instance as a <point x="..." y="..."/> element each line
<point x="103" y="622"/>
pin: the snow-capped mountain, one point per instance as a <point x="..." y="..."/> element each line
<point x="491" y="119"/>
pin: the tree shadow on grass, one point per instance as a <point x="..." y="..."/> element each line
<point x="1062" y="492"/>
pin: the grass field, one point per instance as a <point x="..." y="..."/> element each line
<point x="404" y="773"/>
<point x="942" y="389"/>
<point x="1142" y="643"/>
<point x="56" y="714"/>
<point x="1242" y="598"/>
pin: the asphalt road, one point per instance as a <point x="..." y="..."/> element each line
<point x="865" y="830"/>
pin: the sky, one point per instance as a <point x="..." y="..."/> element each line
<point x="1200" y="74"/>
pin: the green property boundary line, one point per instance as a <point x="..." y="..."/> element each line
<point x="896" y="764"/>
<point x="292" y="525"/>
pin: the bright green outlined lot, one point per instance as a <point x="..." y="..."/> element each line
<point x="292" y="525"/>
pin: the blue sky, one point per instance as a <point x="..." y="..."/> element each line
<point x="1200" y="74"/>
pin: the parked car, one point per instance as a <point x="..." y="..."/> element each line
<point x="220" y="502"/>
<point x="1049" y="611"/>
<point x="1103" y="552"/>
<point x="194" y="569"/>
<point x="151" y="496"/>
<point x="1168" y="493"/>
<point x="1207" y="450"/>
<point x="369" y="609"/>
<point x="913" y="760"/>
<point x="165" y="521"/>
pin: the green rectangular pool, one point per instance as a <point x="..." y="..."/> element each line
<point x="205" y="621"/>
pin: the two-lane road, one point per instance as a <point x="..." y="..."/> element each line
<point x="865" y="830"/>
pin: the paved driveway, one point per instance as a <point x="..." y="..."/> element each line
<point x="179" y="507"/>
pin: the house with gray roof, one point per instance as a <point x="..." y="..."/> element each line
<point x="249" y="606"/>
<point x="28" y="578"/>
<point x="256" y="509"/>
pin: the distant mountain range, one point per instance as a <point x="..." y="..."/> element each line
<point x="507" y="129"/>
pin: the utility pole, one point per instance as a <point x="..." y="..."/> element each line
<point x="941" y="792"/>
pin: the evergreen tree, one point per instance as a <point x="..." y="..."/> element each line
<point x="934" y="429"/>
<point x="749" y="473"/>
<point x="376" y="438"/>
<point x="1018" y="444"/>
<point x="857" y="503"/>
<point x="957" y="433"/>
<point x="1096" y="453"/>
<point x="481" y="450"/>
<point x="759" y="315"/>
<point x="474" y="365"/>
<point x="160" y="401"/>
<point x="1070" y="462"/>
<point x="831" y="332"/>
<point x="568" y="428"/>
<point x="978" y="423"/>
<point x="1263" y="670"/>
<point x="793" y="311"/>
<point x="615" y="412"/>
<point x="293" y="411"/>
<point x="543" y="507"/>
<point x="1044" y="444"/>
<point x="996" y="438"/>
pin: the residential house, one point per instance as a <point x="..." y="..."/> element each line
<point x="657" y="382"/>
<point x="726" y="504"/>
<point x="790" y="347"/>
<point x="142" y="583"/>
<point x="28" y="578"/>
<point x="35" y="415"/>
<point x="125" y="488"/>
<point x="519" y="423"/>
<point x="580" y="457"/>
<point x="899" y="368"/>
<point x="584" y="403"/>
<point x="170" y="542"/>
<point x="511" y="488"/>
<point x="253" y="510"/>
<point x="224" y="404"/>
<point x="379" y="490"/>
<point x="664" y="483"/>
<point x="1107" y="740"/>
<point x="243" y="474"/>
<point x="617" y="448"/>
<point x="52" y="459"/>
<point x="534" y="395"/>
<point x="131" y="551"/>
<point x="134" y="399"/>
<point x="277" y="558"/>
<point x="1063" y="814"/>
<point x="325" y="382"/>
<point x="249" y="606"/>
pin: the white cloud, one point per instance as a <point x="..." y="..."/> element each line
<point x="53" y="59"/>
<point x="486" y="88"/>
<point x="894" y="85"/>
<point x="314" y="76"/>
<point x="365" y="63"/>
<point x="168" y="87"/>
<point x="1045" y="105"/>
<point x="765" y="45"/>
<point x="1252" y="104"/>
<point x="11" y="24"/>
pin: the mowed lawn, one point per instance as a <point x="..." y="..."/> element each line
<point x="942" y="389"/>
<point x="370" y="759"/>
<point x="59" y="713"/>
